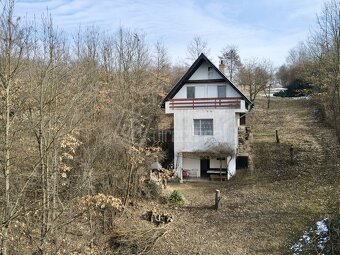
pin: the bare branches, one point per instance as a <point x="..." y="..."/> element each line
<point x="232" y="60"/>
<point x="72" y="124"/>
<point x="317" y="62"/>
<point x="255" y="76"/>
<point x="196" y="47"/>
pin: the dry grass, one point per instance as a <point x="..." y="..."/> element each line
<point x="262" y="211"/>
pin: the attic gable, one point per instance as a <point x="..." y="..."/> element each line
<point x="192" y="76"/>
<point x="205" y="71"/>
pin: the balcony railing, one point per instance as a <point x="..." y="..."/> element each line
<point x="194" y="103"/>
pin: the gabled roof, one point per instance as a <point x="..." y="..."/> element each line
<point x="202" y="58"/>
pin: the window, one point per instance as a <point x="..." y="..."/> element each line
<point x="203" y="127"/>
<point x="243" y="120"/>
<point x="190" y="92"/>
<point x="222" y="91"/>
<point x="210" y="72"/>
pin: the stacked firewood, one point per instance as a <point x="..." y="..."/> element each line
<point x="164" y="173"/>
<point x="161" y="176"/>
<point x="156" y="217"/>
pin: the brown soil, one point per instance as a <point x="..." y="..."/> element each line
<point x="265" y="209"/>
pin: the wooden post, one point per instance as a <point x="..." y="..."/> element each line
<point x="277" y="136"/>
<point x="217" y="199"/>
<point x="221" y="168"/>
<point x="291" y="154"/>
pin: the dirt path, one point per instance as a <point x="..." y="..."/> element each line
<point x="262" y="211"/>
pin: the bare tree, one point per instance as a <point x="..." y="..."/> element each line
<point x="13" y="38"/>
<point x="161" y="68"/>
<point x="270" y="76"/>
<point x="196" y="47"/>
<point x="72" y="125"/>
<point x="283" y="75"/>
<point x="317" y="61"/>
<point x="255" y="76"/>
<point x="324" y="46"/>
<point x="231" y="58"/>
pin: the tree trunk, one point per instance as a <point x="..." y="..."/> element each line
<point x="7" y="173"/>
<point x="268" y="98"/>
<point x="127" y="191"/>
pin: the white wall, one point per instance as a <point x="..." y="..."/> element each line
<point x="206" y="90"/>
<point x="225" y="130"/>
<point x="214" y="163"/>
<point x="224" y="122"/>
<point x="202" y="73"/>
<point x="191" y="163"/>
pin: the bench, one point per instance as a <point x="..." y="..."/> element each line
<point x="215" y="177"/>
<point x="216" y="172"/>
<point x="186" y="173"/>
<point x="194" y="173"/>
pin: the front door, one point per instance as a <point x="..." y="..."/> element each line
<point x="205" y="164"/>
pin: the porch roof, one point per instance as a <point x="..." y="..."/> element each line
<point x="201" y="154"/>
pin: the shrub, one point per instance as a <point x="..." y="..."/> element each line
<point x="296" y="88"/>
<point x="151" y="190"/>
<point x="176" y="198"/>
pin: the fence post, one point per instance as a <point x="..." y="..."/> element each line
<point x="277" y="136"/>
<point x="291" y="154"/>
<point x="217" y="199"/>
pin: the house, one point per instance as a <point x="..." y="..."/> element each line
<point x="206" y="109"/>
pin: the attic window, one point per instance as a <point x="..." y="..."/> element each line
<point x="210" y="72"/>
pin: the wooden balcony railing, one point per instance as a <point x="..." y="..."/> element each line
<point x="194" y="103"/>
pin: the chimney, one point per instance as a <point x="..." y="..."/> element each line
<point x="221" y="66"/>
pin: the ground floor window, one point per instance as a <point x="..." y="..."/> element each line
<point x="203" y="127"/>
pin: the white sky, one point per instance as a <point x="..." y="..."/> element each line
<point x="259" y="28"/>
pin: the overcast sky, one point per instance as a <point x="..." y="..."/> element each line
<point x="259" y="28"/>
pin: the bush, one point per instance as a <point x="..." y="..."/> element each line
<point x="296" y="88"/>
<point x="176" y="198"/>
<point x="151" y="190"/>
<point x="134" y="237"/>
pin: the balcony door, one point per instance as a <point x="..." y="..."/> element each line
<point x="190" y="92"/>
<point x="222" y="91"/>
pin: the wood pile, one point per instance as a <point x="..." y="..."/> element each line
<point x="161" y="176"/>
<point x="158" y="218"/>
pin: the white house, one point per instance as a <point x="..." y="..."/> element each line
<point x="206" y="108"/>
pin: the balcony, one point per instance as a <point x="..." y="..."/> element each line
<point x="196" y="103"/>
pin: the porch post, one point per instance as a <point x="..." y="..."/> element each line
<point x="179" y="166"/>
<point x="181" y="175"/>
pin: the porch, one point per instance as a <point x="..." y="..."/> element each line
<point x="197" y="166"/>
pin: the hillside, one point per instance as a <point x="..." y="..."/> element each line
<point x="264" y="210"/>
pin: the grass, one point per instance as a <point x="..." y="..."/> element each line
<point x="263" y="210"/>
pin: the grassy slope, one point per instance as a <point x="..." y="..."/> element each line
<point x="263" y="210"/>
